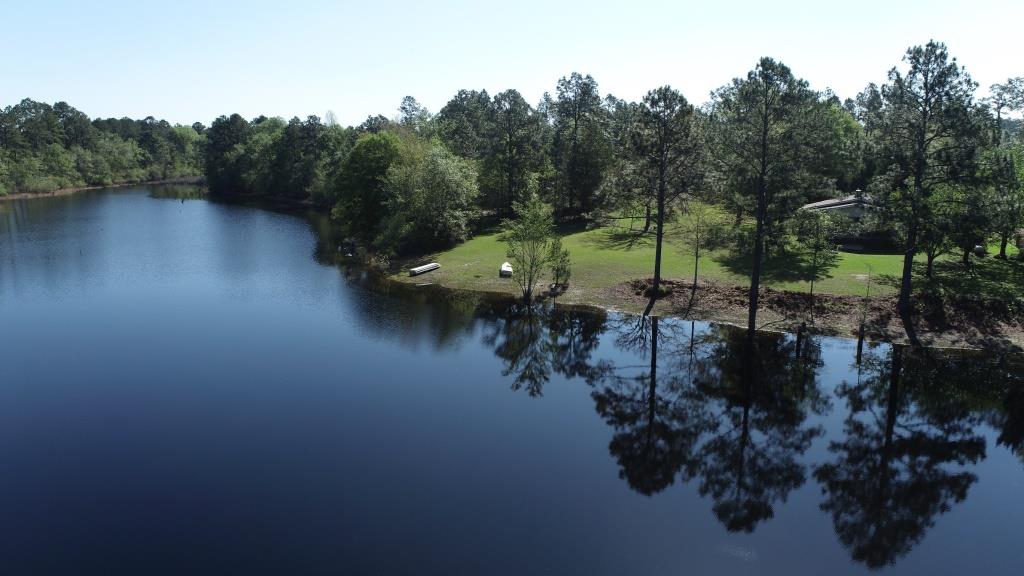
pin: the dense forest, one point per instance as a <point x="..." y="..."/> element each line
<point x="45" y="148"/>
<point x="943" y="168"/>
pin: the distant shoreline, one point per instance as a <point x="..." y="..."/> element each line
<point x="69" y="191"/>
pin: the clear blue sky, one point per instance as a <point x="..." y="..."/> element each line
<point x="194" y="60"/>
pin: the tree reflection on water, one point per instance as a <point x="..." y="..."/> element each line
<point x="737" y="419"/>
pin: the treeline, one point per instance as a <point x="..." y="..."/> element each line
<point x="44" y="148"/>
<point x="942" y="169"/>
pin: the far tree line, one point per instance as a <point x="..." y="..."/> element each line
<point x="943" y="167"/>
<point x="45" y="148"/>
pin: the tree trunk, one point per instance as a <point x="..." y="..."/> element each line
<point x="903" y="305"/>
<point x="966" y="259"/>
<point x="659" y="233"/>
<point x="696" y="263"/>
<point x="1004" y="239"/>
<point x="755" y="274"/>
<point x="931" y="261"/>
<point x="814" y="275"/>
<point x="647" y="222"/>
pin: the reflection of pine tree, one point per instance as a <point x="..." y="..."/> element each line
<point x="759" y="398"/>
<point x="666" y="426"/>
<point x="574" y="335"/>
<point x="892" y="474"/>
<point x="1010" y="373"/>
<point x="517" y="337"/>
<point x="1012" y="434"/>
<point x="656" y="424"/>
<point x="534" y="341"/>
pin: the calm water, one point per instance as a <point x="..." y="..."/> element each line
<point x="187" y="387"/>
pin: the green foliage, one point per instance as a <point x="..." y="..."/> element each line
<point x="704" y="229"/>
<point x="362" y="186"/>
<point x="666" y="151"/>
<point x="1004" y="169"/>
<point x="47" y="147"/>
<point x="581" y="149"/>
<point x="561" y="263"/>
<point x="774" y="145"/>
<point x="433" y="198"/>
<point x="516" y="153"/>
<point x="528" y="241"/>
<point x="815" y="232"/>
<point x="466" y="124"/>
<point x="928" y="132"/>
<point x="968" y="216"/>
<point x="415" y="117"/>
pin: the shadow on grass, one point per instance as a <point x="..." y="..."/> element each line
<point x="985" y="277"/>
<point x="784" y="267"/>
<point x="620" y="239"/>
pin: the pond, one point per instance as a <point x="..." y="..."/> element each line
<point x="196" y="387"/>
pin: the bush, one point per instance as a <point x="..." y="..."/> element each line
<point x="560" y="263"/>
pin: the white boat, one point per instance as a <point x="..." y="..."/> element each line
<point x="423" y="269"/>
<point x="505" y="271"/>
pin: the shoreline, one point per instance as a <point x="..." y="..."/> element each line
<point x="191" y="180"/>
<point x="882" y="325"/>
<point x="961" y="327"/>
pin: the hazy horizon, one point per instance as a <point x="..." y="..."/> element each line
<point x="190" y="62"/>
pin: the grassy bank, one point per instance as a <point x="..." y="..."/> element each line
<point x="607" y="259"/>
<point x="607" y="256"/>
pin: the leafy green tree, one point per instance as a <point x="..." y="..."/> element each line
<point x="766" y="134"/>
<point x="843" y="158"/>
<point x="224" y="139"/>
<point x="561" y="263"/>
<point x="667" y="145"/>
<point x="466" y="122"/>
<point x="433" y="198"/>
<point x="929" y="130"/>
<point x="362" y="186"/>
<point x="624" y="193"/>
<point x="516" y="152"/>
<point x="970" y="218"/>
<point x="815" y="232"/>
<point x="1006" y="97"/>
<point x="582" y="150"/>
<point x="1005" y="176"/>
<point x="528" y="241"/>
<point x="701" y="229"/>
<point x="50" y="147"/>
<point x="414" y="116"/>
<point x="258" y="158"/>
<point x="934" y="236"/>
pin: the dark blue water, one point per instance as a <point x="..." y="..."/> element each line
<point x="189" y="387"/>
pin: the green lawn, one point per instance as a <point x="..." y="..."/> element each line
<point x="604" y="257"/>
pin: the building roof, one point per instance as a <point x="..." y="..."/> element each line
<point x="851" y="200"/>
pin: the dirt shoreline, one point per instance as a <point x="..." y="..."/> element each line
<point x="966" y="322"/>
<point x="69" y="191"/>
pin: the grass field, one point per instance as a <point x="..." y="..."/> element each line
<point x="607" y="256"/>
